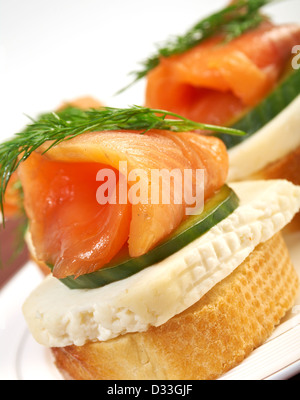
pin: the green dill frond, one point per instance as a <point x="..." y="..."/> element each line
<point x="71" y="122"/>
<point x="232" y="21"/>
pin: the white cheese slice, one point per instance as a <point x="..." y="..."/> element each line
<point x="274" y="141"/>
<point x="58" y="316"/>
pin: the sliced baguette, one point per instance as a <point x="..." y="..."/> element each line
<point x="206" y="340"/>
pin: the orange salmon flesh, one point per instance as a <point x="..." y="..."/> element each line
<point x="75" y="233"/>
<point x="216" y="82"/>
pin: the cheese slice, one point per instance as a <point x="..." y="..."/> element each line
<point x="272" y="142"/>
<point x="58" y="316"/>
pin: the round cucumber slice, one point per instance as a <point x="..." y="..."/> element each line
<point x="222" y="204"/>
<point x="264" y="112"/>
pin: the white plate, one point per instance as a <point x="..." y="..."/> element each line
<point x="58" y="50"/>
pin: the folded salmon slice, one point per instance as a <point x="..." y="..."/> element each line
<point x="75" y="233"/>
<point x="13" y="198"/>
<point x="215" y="82"/>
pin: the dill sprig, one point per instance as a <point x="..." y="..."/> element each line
<point x="232" y="21"/>
<point x="57" y="127"/>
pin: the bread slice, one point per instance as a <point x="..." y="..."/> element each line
<point x="206" y="340"/>
<point x="287" y="167"/>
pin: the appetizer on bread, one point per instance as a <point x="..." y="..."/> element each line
<point x="234" y="68"/>
<point x="147" y="290"/>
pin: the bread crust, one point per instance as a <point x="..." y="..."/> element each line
<point x="43" y="267"/>
<point x="206" y="340"/>
<point x="288" y="168"/>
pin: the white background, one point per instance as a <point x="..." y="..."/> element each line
<point x="56" y="50"/>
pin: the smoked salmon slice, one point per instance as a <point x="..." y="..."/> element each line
<point x="75" y="233"/>
<point x="215" y="82"/>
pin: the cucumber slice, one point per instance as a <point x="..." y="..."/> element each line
<point x="222" y="204"/>
<point x="264" y="112"/>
